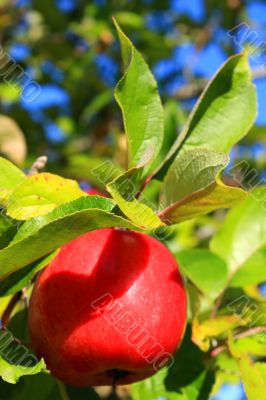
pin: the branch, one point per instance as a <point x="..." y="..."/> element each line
<point x="10" y="307"/>
<point x="194" y="89"/>
<point x="249" y="332"/>
<point x="218" y="303"/>
<point x="38" y="165"/>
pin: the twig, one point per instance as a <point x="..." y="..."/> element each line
<point x="217" y="350"/>
<point x="217" y="304"/>
<point x="113" y="395"/>
<point x="249" y="332"/>
<point x="194" y="89"/>
<point x="10" y="307"/>
<point x="38" y="165"/>
<point x="146" y="182"/>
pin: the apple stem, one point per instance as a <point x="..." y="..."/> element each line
<point x="113" y="395"/>
<point x="62" y="390"/>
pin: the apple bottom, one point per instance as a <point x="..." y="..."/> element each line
<point x="134" y="362"/>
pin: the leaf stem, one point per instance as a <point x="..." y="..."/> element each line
<point x="146" y="182"/>
<point x="62" y="390"/>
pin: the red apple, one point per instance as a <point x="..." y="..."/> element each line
<point x="110" y="308"/>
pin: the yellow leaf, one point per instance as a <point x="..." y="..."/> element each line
<point x="39" y="194"/>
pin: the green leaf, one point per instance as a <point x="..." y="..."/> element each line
<point x="40" y="386"/>
<point x="215" y="196"/>
<point x="19" y="279"/>
<point x="152" y="388"/>
<point x="8" y="229"/>
<point x="43" y="387"/>
<point x="10" y="177"/>
<point x="174" y="120"/>
<point x="253" y="374"/>
<point x="227" y="371"/>
<point x="206" y="270"/>
<point x="123" y="190"/>
<point x="138" y="98"/>
<point x="252" y="271"/>
<point x="188" y="375"/>
<point x="224" y="113"/>
<point x="11" y="373"/>
<point x="16" y="360"/>
<point x="155" y="388"/>
<point x="190" y="173"/>
<point x="96" y="105"/>
<point x="242" y="239"/>
<point x="39" y="194"/>
<point x="254" y="344"/>
<point x="186" y="379"/>
<point x="18" y="325"/>
<point x="42" y="235"/>
<point x="8" y="94"/>
<point x="200" y="388"/>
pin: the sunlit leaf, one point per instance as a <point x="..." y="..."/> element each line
<point x="224" y="112"/>
<point x="187" y="379"/>
<point x="42" y="235"/>
<point x="39" y="194"/>
<point x="123" y="190"/>
<point x="16" y="360"/>
<point x="206" y="270"/>
<point x="215" y="196"/>
<point x="253" y="374"/>
<point x="254" y="344"/>
<point x="202" y="333"/>
<point x="242" y="239"/>
<point x="190" y="173"/>
<point x="10" y="177"/>
<point x="137" y="95"/>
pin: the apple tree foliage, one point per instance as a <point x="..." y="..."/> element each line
<point x="167" y="187"/>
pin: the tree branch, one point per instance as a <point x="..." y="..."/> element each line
<point x="194" y="89"/>
<point x="38" y="165"/>
<point x="10" y="307"/>
<point x="249" y="332"/>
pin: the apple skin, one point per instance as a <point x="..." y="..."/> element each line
<point x="89" y="305"/>
<point x="92" y="191"/>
